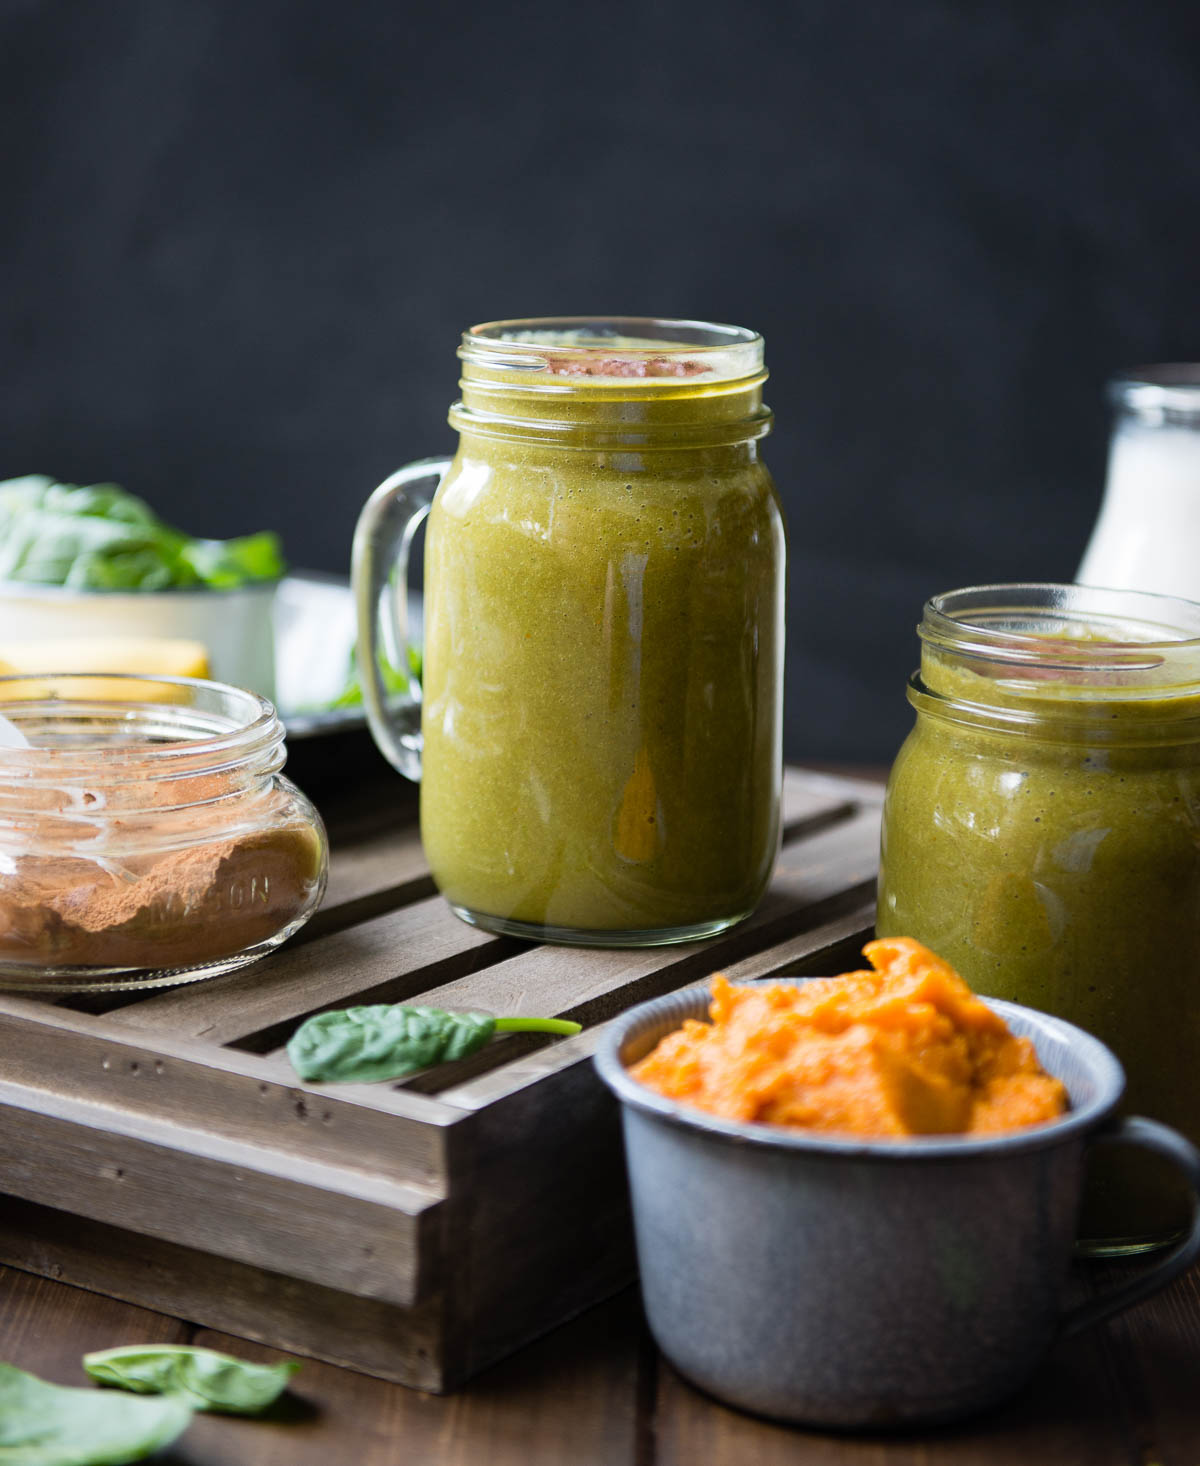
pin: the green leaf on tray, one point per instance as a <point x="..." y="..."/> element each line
<point x="51" y="1425"/>
<point x="101" y="538"/>
<point x="205" y="1379"/>
<point x="387" y="1041"/>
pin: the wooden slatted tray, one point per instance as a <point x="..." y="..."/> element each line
<point x="157" y="1147"/>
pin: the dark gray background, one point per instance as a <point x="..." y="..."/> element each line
<point x="240" y="238"/>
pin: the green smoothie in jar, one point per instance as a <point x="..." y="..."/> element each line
<point x="1042" y="834"/>
<point x="601" y="719"/>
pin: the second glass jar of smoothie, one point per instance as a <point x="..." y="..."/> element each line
<point x="1042" y="833"/>
<point x="599" y="737"/>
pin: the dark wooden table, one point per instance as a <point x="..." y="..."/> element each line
<point x="597" y="1391"/>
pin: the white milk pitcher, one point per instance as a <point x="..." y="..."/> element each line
<point x="1148" y="534"/>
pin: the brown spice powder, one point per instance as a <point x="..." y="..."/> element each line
<point x="206" y="900"/>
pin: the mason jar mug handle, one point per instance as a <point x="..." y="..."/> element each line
<point x="379" y="573"/>
<point x="1147" y="1135"/>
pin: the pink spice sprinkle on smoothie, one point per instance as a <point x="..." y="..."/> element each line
<point x="654" y="366"/>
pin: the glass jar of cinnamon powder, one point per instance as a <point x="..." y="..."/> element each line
<point x="147" y="836"/>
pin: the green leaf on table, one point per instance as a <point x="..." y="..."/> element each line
<point x="206" y="1379"/>
<point x="388" y="1041"/>
<point x="51" y="1425"/>
<point x="101" y="538"/>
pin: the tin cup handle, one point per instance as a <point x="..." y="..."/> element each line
<point x="1150" y="1135"/>
<point x="379" y="572"/>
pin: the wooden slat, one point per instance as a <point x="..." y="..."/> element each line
<point x="301" y="1317"/>
<point x="383" y="872"/>
<point x="815" y="880"/>
<point x="543" y="1166"/>
<point x="389" y="959"/>
<point x="346" y="1228"/>
<point x="833" y="948"/>
<point x="837" y="787"/>
<point x="808" y="799"/>
<point x="377" y="863"/>
<point x="222" y="1090"/>
<point x="593" y="984"/>
<point x="378" y="866"/>
<point x="589" y="985"/>
<point x="821" y="948"/>
<point x="411" y="948"/>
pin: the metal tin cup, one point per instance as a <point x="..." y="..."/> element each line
<point x="854" y="1283"/>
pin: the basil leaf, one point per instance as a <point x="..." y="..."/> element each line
<point x="101" y="538"/>
<point x="50" y="1425"/>
<point x="205" y="1379"/>
<point x="383" y="1041"/>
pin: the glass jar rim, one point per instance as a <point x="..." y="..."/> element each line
<point x="199" y="725"/>
<point x="537" y="343"/>
<point x="1015" y="623"/>
<point x="612" y="383"/>
<point x="1163" y="389"/>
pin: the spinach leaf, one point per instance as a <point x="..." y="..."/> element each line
<point x="205" y="1379"/>
<point x="389" y="1041"/>
<point x="49" y="1425"/>
<point x="101" y="538"/>
<point x="393" y="679"/>
<point x="224" y="564"/>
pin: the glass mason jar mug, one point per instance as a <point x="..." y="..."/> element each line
<point x="597" y="728"/>
<point x="1042" y="833"/>
<point x="147" y="836"/>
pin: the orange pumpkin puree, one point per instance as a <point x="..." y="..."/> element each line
<point x="907" y="1049"/>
